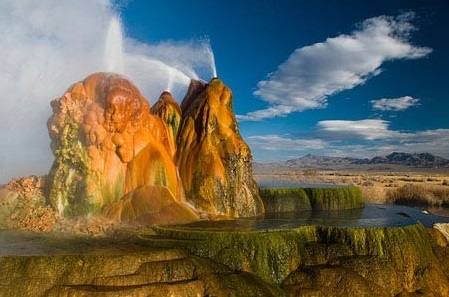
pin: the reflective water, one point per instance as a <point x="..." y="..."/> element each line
<point x="14" y="242"/>
<point x="372" y="215"/>
<point x="17" y="242"/>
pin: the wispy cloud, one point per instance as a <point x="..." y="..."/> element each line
<point x="284" y="142"/>
<point x="363" y="129"/>
<point x="46" y="45"/>
<point x="313" y="73"/>
<point x="364" y="138"/>
<point x="394" y="104"/>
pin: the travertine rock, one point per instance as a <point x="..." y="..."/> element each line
<point x="214" y="162"/>
<point x="168" y="109"/>
<point x="147" y="206"/>
<point x="108" y="144"/>
<point x="118" y="273"/>
<point x="97" y="129"/>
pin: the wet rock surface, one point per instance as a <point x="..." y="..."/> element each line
<point x="303" y="261"/>
<point x="325" y="260"/>
<point x="98" y="127"/>
<point x="298" y="199"/>
<point x="108" y="143"/>
<point x="214" y="162"/>
<point x="80" y="266"/>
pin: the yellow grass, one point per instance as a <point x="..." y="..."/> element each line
<point x="377" y="187"/>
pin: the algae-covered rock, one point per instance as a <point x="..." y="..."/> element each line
<point x="298" y="199"/>
<point x="270" y="255"/>
<point x="325" y="260"/>
<point x="144" y="272"/>
<point x="168" y="109"/>
<point x="335" y="198"/>
<point x="97" y="129"/>
<point x="285" y="199"/>
<point x="214" y="162"/>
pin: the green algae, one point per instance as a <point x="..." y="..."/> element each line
<point x="272" y="255"/>
<point x="285" y="199"/>
<point x="298" y="199"/>
<point x="147" y="272"/>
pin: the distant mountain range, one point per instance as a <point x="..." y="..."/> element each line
<point x="393" y="161"/>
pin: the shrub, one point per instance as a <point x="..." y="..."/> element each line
<point x="419" y="195"/>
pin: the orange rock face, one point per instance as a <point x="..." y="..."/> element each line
<point x="98" y="129"/>
<point x="168" y="109"/>
<point x="116" y="156"/>
<point x="162" y="208"/>
<point x="214" y="162"/>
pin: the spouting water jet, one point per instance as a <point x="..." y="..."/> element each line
<point x="114" y="56"/>
<point x="210" y="54"/>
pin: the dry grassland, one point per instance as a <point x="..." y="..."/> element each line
<point x="377" y="187"/>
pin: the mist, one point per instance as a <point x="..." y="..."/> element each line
<point x="46" y="46"/>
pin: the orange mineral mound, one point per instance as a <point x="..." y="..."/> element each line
<point x="151" y="205"/>
<point x="214" y="162"/>
<point x="168" y="109"/>
<point x="115" y="155"/>
<point x="103" y="137"/>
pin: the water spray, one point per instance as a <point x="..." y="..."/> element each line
<point x="114" y="54"/>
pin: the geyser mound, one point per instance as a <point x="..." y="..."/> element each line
<point x="116" y="156"/>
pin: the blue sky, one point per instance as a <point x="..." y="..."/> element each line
<point x="348" y="78"/>
<point x="336" y="78"/>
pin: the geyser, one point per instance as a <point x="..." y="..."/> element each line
<point x="210" y="54"/>
<point x="113" y="54"/>
<point x="116" y="156"/>
<point x="59" y="52"/>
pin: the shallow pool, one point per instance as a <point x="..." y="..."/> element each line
<point x="15" y="242"/>
<point x="372" y="215"/>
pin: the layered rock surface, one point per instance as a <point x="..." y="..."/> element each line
<point x="116" y="155"/>
<point x="305" y="261"/>
<point x="298" y="199"/>
<point x="168" y="109"/>
<point x="116" y="268"/>
<point x="214" y="162"/>
<point x="325" y="260"/>
<point x="107" y="144"/>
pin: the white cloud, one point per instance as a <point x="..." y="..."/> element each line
<point x="47" y="45"/>
<point x="379" y="130"/>
<point x="270" y="112"/>
<point x="394" y="104"/>
<point x="343" y="141"/>
<point x="313" y="73"/>
<point x="363" y="129"/>
<point x="284" y="142"/>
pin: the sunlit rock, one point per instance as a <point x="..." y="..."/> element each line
<point x="214" y="162"/>
<point x="107" y="268"/>
<point x="151" y="205"/>
<point x="23" y="205"/>
<point x="97" y="129"/>
<point x="315" y="260"/>
<point x="168" y="109"/>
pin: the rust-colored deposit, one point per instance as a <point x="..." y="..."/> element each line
<point x="213" y="160"/>
<point x="115" y="155"/>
